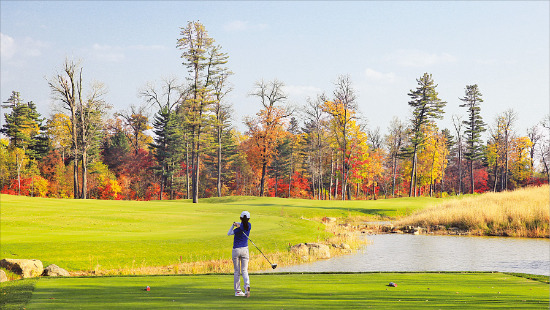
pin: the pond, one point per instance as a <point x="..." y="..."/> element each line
<point x="395" y="252"/>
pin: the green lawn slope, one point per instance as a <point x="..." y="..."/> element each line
<point x="87" y="235"/>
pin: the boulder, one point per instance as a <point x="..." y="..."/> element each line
<point x="55" y="271"/>
<point x="345" y="246"/>
<point x="3" y="276"/>
<point x="318" y="250"/>
<point x="28" y="268"/>
<point x="301" y="250"/>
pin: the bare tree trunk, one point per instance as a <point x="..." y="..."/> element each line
<point x="331" y="177"/>
<point x="506" y="162"/>
<point x="412" y="189"/>
<point x="336" y="183"/>
<point x="219" y="183"/>
<point x="262" y="181"/>
<point x="472" y="183"/>
<point x="18" y="163"/>
<point x="460" y="191"/>
<point x="393" y="172"/>
<point x="84" y="174"/>
<point x="196" y="178"/>
<point x="187" y="168"/>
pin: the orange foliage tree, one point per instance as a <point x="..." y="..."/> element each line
<point x="268" y="127"/>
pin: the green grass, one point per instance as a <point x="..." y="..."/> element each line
<point x="106" y="235"/>
<point x="295" y="291"/>
<point x="16" y="294"/>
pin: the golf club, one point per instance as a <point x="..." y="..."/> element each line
<point x="272" y="265"/>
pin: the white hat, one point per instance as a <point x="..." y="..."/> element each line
<point x="245" y="214"/>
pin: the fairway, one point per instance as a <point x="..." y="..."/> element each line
<point x="295" y="291"/>
<point x="85" y="235"/>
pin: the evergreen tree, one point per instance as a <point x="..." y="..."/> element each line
<point x="426" y="107"/>
<point x="281" y="163"/>
<point x="166" y="147"/>
<point x="205" y="62"/>
<point x="115" y="151"/>
<point x="474" y="127"/>
<point x="24" y="127"/>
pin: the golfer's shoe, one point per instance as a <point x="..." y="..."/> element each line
<point x="239" y="294"/>
<point x="247" y="292"/>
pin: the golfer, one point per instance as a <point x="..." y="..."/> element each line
<point x="240" y="253"/>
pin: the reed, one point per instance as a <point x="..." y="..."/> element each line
<point x="520" y="213"/>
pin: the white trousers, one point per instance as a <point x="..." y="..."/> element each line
<point x="240" y="264"/>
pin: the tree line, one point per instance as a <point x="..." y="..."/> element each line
<point x="189" y="148"/>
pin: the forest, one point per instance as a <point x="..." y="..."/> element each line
<point x="189" y="147"/>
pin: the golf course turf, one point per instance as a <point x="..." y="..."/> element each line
<point x="122" y="238"/>
<point x="294" y="291"/>
<point x="99" y="235"/>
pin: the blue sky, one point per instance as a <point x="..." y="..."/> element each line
<point x="504" y="47"/>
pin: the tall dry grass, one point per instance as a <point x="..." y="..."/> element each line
<point x="520" y="213"/>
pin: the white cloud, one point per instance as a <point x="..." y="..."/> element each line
<point x="33" y="48"/>
<point x="7" y="46"/>
<point x="374" y="75"/>
<point x="147" y="47"/>
<point x="417" y="58"/>
<point x="239" y="25"/>
<point x="301" y="91"/>
<point x="111" y="53"/>
<point x="108" y="53"/>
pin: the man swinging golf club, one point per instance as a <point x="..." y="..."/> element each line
<point x="241" y="231"/>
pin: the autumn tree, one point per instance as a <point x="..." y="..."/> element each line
<point x="520" y="167"/>
<point x="136" y="122"/>
<point x="507" y="119"/>
<point x="267" y="128"/>
<point x="86" y="113"/>
<point x="343" y="111"/>
<point x="474" y="127"/>
<point x="91" y="113"/>
<point x="427" y="107"/>
<point x="59" y="131"/>
<point x="316" y="140"/>
<point x="66" y="88"/>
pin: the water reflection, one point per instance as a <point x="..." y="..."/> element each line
<point x="439" y="253"/>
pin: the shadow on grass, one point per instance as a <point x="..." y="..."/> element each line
<point x="378" y="211"/>
<point x="16" y="294"/>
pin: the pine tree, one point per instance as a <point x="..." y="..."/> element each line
<point x="24" y="127"/>
<point x="474" y="127"/>
<point x="167" y="147"/>
<point x="426" y="107"/>
<point x="205" y="62"/>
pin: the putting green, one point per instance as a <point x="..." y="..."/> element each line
<point x="295" y="291"/>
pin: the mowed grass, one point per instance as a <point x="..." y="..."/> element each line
<point x="294" y="291"/>
<point x="521" y="213"/>
<point x="95" y="235"/>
